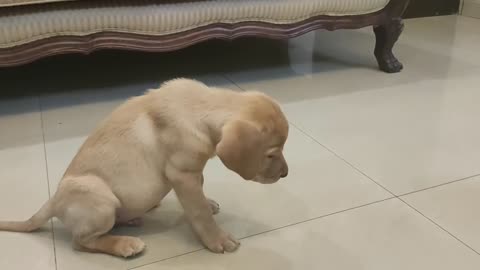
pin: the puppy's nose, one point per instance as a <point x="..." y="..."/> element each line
<point x="284" y="174"/>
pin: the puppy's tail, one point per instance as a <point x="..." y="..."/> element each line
<point x="32" y="224"/>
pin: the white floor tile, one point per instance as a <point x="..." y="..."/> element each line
<point x="455" y="207"/>
<point x="23" y="185"/>
<point x="386" y="235"/>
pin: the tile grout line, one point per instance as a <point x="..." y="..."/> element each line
<point x="225" y="76"/>
<point x="48" y="177"/>
<point x="399" y="196"/>
<point x="344" y="160"/>
<point x="440" y="185"/>
<point x="364" y="174"/>
<point x="166" y="259"/>
<point x="439" y="226"/>
<point x="276" y="229"/>
<point x="322" y="216"/>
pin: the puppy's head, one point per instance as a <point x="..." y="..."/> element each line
<point x="252" y="143"/>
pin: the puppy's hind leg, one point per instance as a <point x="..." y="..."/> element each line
<point x="90" y="214"/>
<point x="90" y="232"/>
<point x="122" y="246"/>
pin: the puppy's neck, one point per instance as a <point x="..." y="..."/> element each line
<point x="228" y="106"/>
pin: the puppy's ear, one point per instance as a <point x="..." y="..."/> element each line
<point x="241" y="148"/>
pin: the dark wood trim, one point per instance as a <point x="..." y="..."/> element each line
<point x="26" y="53"/>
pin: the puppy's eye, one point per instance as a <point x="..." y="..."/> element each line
<point x="270" y="156"/>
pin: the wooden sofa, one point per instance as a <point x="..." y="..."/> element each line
<point x="32" y="29"/>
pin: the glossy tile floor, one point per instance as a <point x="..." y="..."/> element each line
<point x="383" y="167"/>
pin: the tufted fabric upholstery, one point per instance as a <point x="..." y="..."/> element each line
<point x="23" y="24"/>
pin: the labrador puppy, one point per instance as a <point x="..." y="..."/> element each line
<point x="158" y="142"/>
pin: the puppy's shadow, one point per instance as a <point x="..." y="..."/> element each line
<point x="167" y="232"/>
<point x="168" y="222"/>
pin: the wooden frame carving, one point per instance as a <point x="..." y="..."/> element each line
<point x="387" y="25"/>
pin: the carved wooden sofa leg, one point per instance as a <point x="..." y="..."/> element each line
<point x="386" y="36"/>
<point x="387" y="31"/>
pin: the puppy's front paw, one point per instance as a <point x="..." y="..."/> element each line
<point x="224" y="242"/>
<point x="214" y="206"/>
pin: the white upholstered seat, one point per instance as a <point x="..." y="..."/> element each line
<point x="24" y="24"/>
